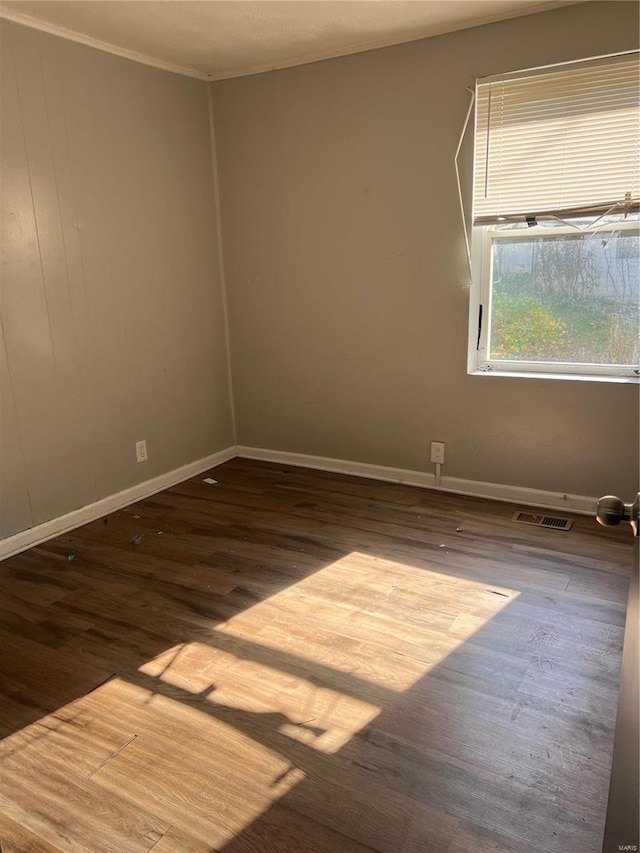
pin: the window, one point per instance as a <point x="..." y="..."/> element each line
<point x="556" y="221"/>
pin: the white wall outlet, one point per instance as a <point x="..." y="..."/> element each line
<point x="437" y="452"/>
<point x="141" y="451"/>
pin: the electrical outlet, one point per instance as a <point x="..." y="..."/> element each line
<point x="437" y="451"/>
<point x="141" y="451"/>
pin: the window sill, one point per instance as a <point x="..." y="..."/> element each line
<point x="575" y="377"/>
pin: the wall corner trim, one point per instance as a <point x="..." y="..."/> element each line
<point x="220" y="254"/>
<point x="71" y="35"/>
<point x="64" y="523"/>
<point x="582" y="504"/>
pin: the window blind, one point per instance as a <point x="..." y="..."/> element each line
<point x="561" y="141"/>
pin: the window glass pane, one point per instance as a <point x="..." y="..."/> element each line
<point x="566" y="296"/>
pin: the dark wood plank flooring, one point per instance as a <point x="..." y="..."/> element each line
<point x="292" y="661"/>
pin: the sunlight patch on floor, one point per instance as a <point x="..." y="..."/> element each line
<point x="383" y="622"/>
<point x="223" y="727"/>
<point x="289" y="680"/>
<point x="324" y="656"/>
<point x="301" y="708"/>
<point x="223" y="772"/>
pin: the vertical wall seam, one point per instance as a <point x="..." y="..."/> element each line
<point x="221" y="271"/>
<point x="33" y="207"/>
<point x="54" y="172"/>
<point x="2" y="329"/>
<point x="91" y="380"/>
<point x="72" y="185"/>
<point x="17" y="416"/>
<point x="8" y="360"/>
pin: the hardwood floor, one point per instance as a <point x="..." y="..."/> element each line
<point x="294" y="661"/>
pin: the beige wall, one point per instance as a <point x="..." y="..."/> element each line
<point x="344" y="260"/>
<point x="345" y="266"/>
<point x="111" y="303"/>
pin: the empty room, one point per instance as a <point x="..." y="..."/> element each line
<point x="320" y="426"/>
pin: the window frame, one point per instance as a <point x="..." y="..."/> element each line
<point x="479" y="362"/>
<point x="479" y="242"/>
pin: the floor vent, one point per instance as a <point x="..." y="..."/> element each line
<point x="554" y="522"/>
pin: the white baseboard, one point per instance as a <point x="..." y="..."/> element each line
<point x="49" y="529"/>
<point x="494" y="491"/>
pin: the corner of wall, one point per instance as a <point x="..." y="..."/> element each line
<point x="221" y="270"/>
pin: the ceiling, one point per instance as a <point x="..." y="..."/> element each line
<point x="214" y="39"/>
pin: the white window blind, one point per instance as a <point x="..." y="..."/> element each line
<point x="562" y="141"/>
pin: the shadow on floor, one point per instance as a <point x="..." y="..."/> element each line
<point x="503" y="742"/>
